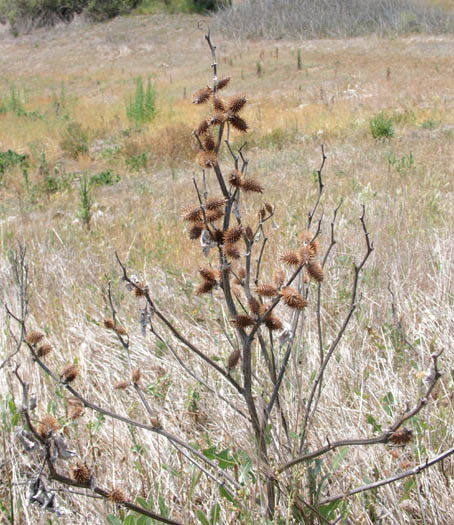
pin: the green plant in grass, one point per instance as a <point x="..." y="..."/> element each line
<point x="141" y="107"/>
<point x="74" y="140"/>
<point x="85" y="201"/>
<point x="381" y="127"/>
<point x="104" y="178"/>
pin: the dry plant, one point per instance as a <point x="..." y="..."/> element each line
<point x="258" y="310"/>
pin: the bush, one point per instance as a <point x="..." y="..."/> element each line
<point x="25" y="15"/>
<point x="381" y="127"/>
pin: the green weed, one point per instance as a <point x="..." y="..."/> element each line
<point x="381" y="127"/>
<point x="142" y="107"/>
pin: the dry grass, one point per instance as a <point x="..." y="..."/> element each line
<point x="291" y="112"/>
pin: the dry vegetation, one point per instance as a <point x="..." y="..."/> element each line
<point x="301" y="95"/>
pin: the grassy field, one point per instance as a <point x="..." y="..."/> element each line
<point x="64" y="94"/>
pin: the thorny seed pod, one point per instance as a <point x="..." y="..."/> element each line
<point x="263" y="308"/>
<point x="233" y="234"/>
<point x="261" y="214"/>
<point x="213" y="215"/>
<point x="79" y="472"/>
<point x="305" y="254"/>
<point x="201" y="96"/>
<point x="206" y="159"/>
<point x="121" y="385"/>
<point x="266" y="290"/>
<point x="305" y="237"/>
<point x="75" y="409"/>
<point x="218" y="104"/>
<point x="290" y="258"/>
<point x="208" y="142"/>
<point x="254" y="305"/>
<point x="242" y="321"/>
<point x="69" y="373"/>
<point x="116" y="496"/>
<point x="241" y="274"/>
<point x="109" y="324"/>
<point x="269" y="207"/>
<point x="217" y="236"/>
<point x="120" y="330"/>
<point x="34" y="337"/>
<point x="236" y="292"/>
<point x="223" y="83"/>
<point x="237" y="103"/>
<point x="235" y="179"/>
<point x="196" y="230"/>
<point x="208" y="274"/>
<point x="315" y="270"/>
<point x="238" y="123"/>
<point x="205" y="287"/>
<point x="136" y="374"/>
<point x="47" y="425"/>
<point x="252" y="185"/>
<point x="249" y="233"/>
<point x="214" y="203"/>
<point x="273" y="323"/>
<point x="292" y="298"/>
<point x="43" y="350"/>
<point x="192" y="214"/>
<point x="233" y="359"/>
<point x="220" y="273"/>
<point x="202" y="127"/>
<point x="155" y="422"/>
<point x="401" y="437"/>
<point x="140" y="290"/>
<point x="217" y="119"/>
<point x="231" y="251"/>
<point x="279" y="277"/>
<point x="314" y="247"/>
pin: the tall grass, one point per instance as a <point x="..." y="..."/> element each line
<point x="330" y="18"/>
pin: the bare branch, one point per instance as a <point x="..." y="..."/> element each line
<point x="391" y="479"/>
<point x="357" y="270"/>
<point x="432" y="378"/>
<point x="320" y="189"/>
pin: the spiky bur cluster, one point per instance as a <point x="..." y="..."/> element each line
<point x="79" y="472"/>
<point x="116" y="495"/>
<point x="217" y="222"/>
<point x="46" y="426"/>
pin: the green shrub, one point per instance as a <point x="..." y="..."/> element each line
<point x="98" y="10"/>
<point x="105" y="178"/>
<point x="10" y="158"/>
<point x="24" y="15"/>
<point x="381" y="127"/>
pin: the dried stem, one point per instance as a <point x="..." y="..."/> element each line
<point x="433" y="377"/>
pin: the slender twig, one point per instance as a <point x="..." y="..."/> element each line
<point x="175" y="332"/>
<point x="315" y="385"/>
<point x="433" y="377"/>
<point x="54" y="475"/>
<point x="320" y="189"/>
<point x="391" y="479"/>
<point x="110" y="413"/>
<point x="319" y="295"/>
<point x="194" y="376"/>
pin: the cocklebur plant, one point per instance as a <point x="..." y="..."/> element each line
<point x="259" y="453"/>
